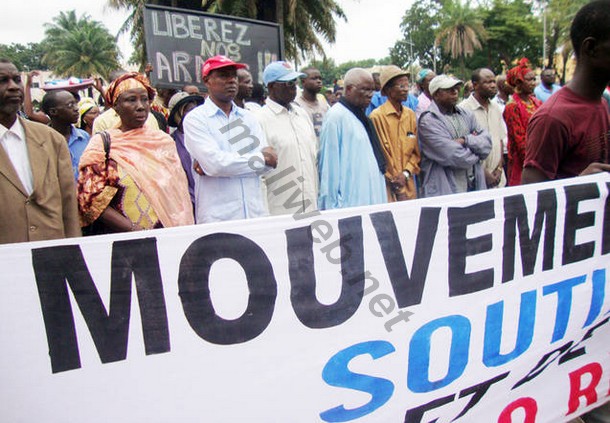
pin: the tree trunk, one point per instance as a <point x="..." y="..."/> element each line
<point x="565" y="54"/>
<point x="553" y="41"/>
<point x="279" y="11"/>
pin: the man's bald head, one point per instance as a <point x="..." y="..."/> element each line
<point x="357" y="76"/>
<point x="359" y="88"/>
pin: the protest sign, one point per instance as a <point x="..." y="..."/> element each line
<point x="179" y="41"/>
<point x="481" y="307"/>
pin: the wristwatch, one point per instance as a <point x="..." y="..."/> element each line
<point x="407" y="174"/>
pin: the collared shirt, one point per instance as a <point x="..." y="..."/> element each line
<point x="542" y="93"/>
<point x="398" y="136"/>
<point x="423" y="102"/>
<point x="445" y="163"/>
<point x="228" y="150"/>
<point x="78" y="141"/>
<point x="492" y="120"/>
<point x="502" y="104"/>
<point x="291" y="133"/>
<point x="499" y="102"/>
<point x="13" y="141"/>
<point x="349" y="172"/>
<point x="252" y="106"/>
<point x="378" y="99"/>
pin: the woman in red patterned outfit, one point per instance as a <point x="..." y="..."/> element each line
<point x="520" y="108"/>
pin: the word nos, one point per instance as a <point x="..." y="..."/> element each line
<point x="181" y="66"/>
<point x="336" y="372"/>
<point x="58" y="268"/>
<point x="217" y="37"/>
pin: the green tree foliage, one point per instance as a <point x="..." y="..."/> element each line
<point x="418" y="26"/>
<point x="331" y="72"/>
<point x="79" y="46"/>
<point x="559" y="14"/>
<point x="513" y="32"/>
<point x="134" y="25"/>
<point x="461" y="31"/>
<point x="24" y="57"/>
<point x="304" y="21"/>
<point x="492" y="35"/>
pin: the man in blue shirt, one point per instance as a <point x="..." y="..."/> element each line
<point x="547" y="86"/>
<point x="351" y="161"/>
<point x="230" y="148"/>
<point x="62" y="109"/>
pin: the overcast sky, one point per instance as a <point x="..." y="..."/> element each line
<point x="372" y="27"/>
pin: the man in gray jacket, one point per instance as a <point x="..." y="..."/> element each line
<point x="452" y="143"/>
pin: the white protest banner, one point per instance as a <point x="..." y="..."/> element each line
<point x="483" y="307"/>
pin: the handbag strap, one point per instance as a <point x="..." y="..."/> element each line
<point x="106" y="140"/>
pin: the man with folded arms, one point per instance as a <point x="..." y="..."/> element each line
<point x="230" y="149"/>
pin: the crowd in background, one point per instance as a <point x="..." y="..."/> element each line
<point x="235" y="149"/>
<point x="164" y="158"/>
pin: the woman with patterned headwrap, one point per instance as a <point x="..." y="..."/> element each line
<point x="141" y="185"/>
<point x="520" y="108"/>
<point x="87" y="112"/>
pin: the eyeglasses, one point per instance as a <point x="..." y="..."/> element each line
<point x="401" y="86"/>
<point x="364" y="90"/>
<point x="287" y="83"/>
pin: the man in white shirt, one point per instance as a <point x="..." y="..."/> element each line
<point x="230" y="147"/>
<point x="37" y="190"/>
<point x="293" y="186"/>
<point x="489" y="116"/>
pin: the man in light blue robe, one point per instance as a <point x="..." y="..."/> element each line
<point x="351" y="163"/>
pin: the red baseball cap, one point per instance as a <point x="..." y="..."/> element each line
<point x="217" y="62"/>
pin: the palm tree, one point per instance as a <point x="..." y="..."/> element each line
<point x="462" y="30"/>
<point x="316" y="18"/>
<point x="560" y="14"/>
<point x="79" y="47"/>
<point x="304" y="21"/>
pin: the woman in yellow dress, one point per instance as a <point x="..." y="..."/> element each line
<point x="136" y="182"/>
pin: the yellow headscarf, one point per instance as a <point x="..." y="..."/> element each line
<point x="126" y="82"/>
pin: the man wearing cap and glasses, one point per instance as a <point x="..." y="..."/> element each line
<point x="397" y="128"/>
<point x="290" y="131"/>
<point x="230" y="148"/>
<point x="351" y="161"/>
<point x="452" y="142"/>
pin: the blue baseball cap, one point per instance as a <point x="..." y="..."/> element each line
<point x="280" y="72"/>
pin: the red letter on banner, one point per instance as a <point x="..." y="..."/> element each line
<point x="576" y="391"/>
<point x="528" y="405"/>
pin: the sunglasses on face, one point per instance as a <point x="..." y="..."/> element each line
<point x="287" y="83"/>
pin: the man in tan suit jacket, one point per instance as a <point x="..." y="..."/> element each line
<point x="37" y="190"/>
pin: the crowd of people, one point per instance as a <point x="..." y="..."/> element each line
<point x="161" y="158"/>
<point x="232" y="155"/>
<point x="71" y="169"/>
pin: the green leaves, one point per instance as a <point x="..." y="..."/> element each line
<point x="79" y="46"/>
<point x="491" y="34"/>
<point x="303" y="21"/>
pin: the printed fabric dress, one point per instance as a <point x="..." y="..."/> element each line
<point x="143" y="180"/>
<point x="517" y="115"/>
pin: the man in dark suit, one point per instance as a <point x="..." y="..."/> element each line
<point x="37" y="190"/>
